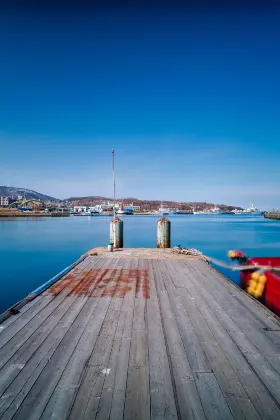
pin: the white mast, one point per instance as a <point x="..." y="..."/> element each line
<point x="114" y="190"/>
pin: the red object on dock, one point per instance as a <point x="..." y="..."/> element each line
<point x="271" y="295"/>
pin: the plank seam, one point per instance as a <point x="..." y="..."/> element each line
<point x="166" y="346"/>
<point x="45" y="367"/>
<point x="121" y="270"/>
<point x="230" y="316"/>
<point x="87" y="362"/>
<point x="243" y="355"/>
<point x="45" y="307"/>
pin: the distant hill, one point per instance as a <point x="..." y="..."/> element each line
<point x="28" y="194"/>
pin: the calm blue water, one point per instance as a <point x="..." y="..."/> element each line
<point x="32" y="251"/>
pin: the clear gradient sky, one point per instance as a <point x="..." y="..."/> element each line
<point x="188" y="95"/>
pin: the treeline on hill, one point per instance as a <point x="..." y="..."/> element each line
<point x="146" y="204"/>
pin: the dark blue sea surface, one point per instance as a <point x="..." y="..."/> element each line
<point x="34" y="250"/>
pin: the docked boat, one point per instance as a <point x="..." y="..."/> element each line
<point x="122" y="210"/>
<point x="183" y="212"/>
<point x="94" y="212"/>
<point x="217" y="210"/>
<point x="238" y="211"/>
<point x="263" y="280"/>
<point x="163" y="211"/>
<point x="251" y="210"/>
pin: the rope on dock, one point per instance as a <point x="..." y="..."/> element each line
<point x="187" y="251"/>
<point x="194" y="252"/>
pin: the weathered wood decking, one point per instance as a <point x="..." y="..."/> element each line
<point x="158" y="337"/>
<point x="271" y="215"/>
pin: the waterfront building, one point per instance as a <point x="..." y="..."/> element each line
<point x="4" y="201"/>
<point x="80" y="209"/>
<point x="133" y="207"/>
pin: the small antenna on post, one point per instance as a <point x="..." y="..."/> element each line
<point x="116" y="225"/>
<point x="114" y="191"/>
<point x="114" y="182"/>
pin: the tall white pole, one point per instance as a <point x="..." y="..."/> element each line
<point x="114" y="190"/>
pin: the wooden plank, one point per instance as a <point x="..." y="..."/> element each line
<point x="188" y="400"/>
<point x="137" y="403"/>
<point x="42" y="390"/>
<point x="240" y="394"/>
<point x="163" y="404"/>
<point x="212" y="398"/>
<point x="40" y="337"/>
<point x="238" y="317"/>
<point x="127" y="331"/>
<point x="37" y="329"/>
<point x="27" y="324"/>
<point x="264" y="370"/>
<point x="239" y="304"/>
<point x="235" y="342"/>
<point x="27" y="313"/>
<point x="44" y="335"/>
<point x="108" y="395"/>
<point x="137" y="399"/>
<point x="114" y="386"/>
<point x="126" y="320"/>
<point x="44" y="386"/>
<point x="67" y="387"/>
<point x="104" y="407"/>
<point x="88" y="397"/>
<point x="118" y="397"/>
<point x="4" y="325"/>
<point x="237" y="296"/>
<point x="33" y="368"/>
<point x="193" y="348"/>
<point x="8" y="333"/>
<point x="100" y="357"/>
<point x="33" y="303"/>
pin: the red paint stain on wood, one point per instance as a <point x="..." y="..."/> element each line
<point x="103" y="283"/>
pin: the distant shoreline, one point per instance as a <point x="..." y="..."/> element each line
<point x="6" y="215"/>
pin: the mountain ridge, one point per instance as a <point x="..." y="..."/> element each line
<point x="24" y="192"/>
<point x="93" y="200"/>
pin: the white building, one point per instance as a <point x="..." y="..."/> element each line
<point x="131" y="206"/>
<point x="4" y="201"/>
<point x="80" y="209"/>
<point x="110" y="204"/>
<point x="104" y="207"/>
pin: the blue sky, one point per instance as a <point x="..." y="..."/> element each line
<point x="188" y="95"/>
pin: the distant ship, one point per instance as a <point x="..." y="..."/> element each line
<point x="123" y="210"/>
<point x="94" y="212"/>
<point x="213" y="210"/>
<point x="251" y="210"/>
<point x="217" y="210"/>
<point x="254" y="210"/>
<point x="164" y="211"/>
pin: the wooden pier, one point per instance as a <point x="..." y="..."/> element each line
<point x="275" y="216"/>
<point x="140" y="334"/>
<point x="20" y="214"/>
